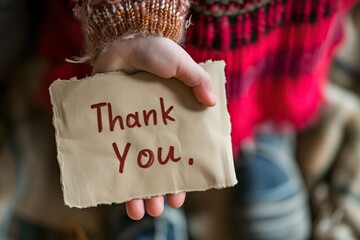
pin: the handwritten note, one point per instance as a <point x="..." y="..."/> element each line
<point x="121" y="137"/>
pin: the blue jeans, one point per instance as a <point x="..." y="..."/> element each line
<point x="270" y="197"/>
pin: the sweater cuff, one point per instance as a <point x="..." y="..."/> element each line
<point x="106" y="21"/>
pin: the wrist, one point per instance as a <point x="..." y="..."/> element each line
<point x="107" y="21"/>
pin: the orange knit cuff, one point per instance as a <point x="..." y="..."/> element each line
<point x="105" y="21"/>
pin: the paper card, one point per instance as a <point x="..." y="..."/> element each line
<point x="121" y="137"/>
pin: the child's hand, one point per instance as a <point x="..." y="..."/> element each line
<point x="164" y="58"/>
<point x="154" y="206"/>
<point x="160" y="56"/>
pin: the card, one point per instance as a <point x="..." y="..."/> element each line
<point x="126" y="136"/>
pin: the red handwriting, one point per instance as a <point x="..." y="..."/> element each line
<point x="98" y="114"/>
<point x="146" y="157"/>
<point x="131" y="120"/>
<point x="145" y="153"/>
<point x="121" y="157"/>
<point x="170" y="156"/>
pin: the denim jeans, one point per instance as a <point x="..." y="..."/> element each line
<point x="270" y="197"/>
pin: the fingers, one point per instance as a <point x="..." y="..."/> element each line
<point x="135" y="209"/>
<point x="155" y="206"/>
<point x="176" y="200"/>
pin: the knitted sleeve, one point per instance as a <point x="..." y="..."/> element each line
<point x="106" y="21"/>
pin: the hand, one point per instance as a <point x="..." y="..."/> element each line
<point x="162" y="57"/>
<point x="154" y="206"/>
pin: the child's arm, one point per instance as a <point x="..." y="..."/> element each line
<point x="132" y="35"/>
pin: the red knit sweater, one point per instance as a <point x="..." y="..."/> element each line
<point x="277" y="55"/>
<point x="277" y="51"/>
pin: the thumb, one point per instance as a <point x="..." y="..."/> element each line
<point x="165" y="58"/>
<point x="194" y="76"/>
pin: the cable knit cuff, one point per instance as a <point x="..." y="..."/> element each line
<point x="105" y="21"/>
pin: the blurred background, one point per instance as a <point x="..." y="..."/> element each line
<point x="37" y="36"/>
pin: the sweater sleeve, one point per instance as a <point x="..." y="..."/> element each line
<point x="106" y="21"/>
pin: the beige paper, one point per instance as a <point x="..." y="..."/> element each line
<point x="121" y="137"/>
